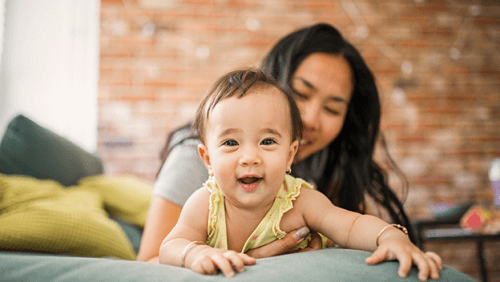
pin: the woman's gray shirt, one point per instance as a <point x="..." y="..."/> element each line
<point x="182" y="173"/>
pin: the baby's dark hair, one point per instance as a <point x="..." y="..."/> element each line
<point x="238" y="83"/>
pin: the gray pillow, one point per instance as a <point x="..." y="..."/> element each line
<point x="30" y="149"/>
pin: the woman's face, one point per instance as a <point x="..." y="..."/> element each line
<point x="323" y="86"/>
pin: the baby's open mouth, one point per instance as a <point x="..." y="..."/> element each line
<point x="249" y="180"/>
<point x="249" y="183"/>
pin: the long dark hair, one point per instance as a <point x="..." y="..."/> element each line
<point x="350" y="170"/>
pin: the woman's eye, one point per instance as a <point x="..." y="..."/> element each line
<point x="230" y="143"/>
<point x="332" y="111"/>
<point x="268" y="142"/>
<point x="299" y="95"/>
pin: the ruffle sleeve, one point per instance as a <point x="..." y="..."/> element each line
<point x="289" y="191"/>
<point x="215" y="214"/>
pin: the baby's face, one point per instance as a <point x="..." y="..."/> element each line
<point x="249" y="146"/>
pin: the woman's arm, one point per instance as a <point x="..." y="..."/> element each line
<point x="288" y="244"/>
<point x="162" y="217"/>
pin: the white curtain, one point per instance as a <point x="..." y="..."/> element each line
<point x="50" y="66"/>
<point x="2" y="18"/>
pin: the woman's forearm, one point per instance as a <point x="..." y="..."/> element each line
<point x="162" y="217"/>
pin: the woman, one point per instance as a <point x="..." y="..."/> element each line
<point x="340" y="108"/>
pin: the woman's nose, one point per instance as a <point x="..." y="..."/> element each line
<point x="250" y="157"/>
<point x="310" y="115"/>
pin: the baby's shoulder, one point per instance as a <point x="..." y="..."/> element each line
<point x="308" y="198"/>
<point x="200" y="197"/>
<point x="306" y="193"/>
<point x="303" y="203"/>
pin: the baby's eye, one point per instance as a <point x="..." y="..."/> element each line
<point x="230" y="143"/>
<point x="268" y="142"/>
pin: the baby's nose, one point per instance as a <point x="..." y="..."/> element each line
<point x="250" y="157"/>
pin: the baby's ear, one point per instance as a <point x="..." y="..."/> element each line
<point x="203" y="151"/>
<point x="293" y="150"/>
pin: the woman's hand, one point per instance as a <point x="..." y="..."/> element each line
<point x="208" y="260"/>
<point x="288" y="244"/>
<point x="407" y="254"/>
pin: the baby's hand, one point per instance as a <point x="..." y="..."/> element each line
<point x="209" y="260"/>
<point x="408" y="254"/>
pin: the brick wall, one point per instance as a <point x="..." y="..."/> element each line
<point x="436" y="63"/>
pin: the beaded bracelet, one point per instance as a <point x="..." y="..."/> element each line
<point x="188" y="248"/>
<point x="398" y="226"/>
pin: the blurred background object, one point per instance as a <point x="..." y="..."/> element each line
<point x="495" y="181"/>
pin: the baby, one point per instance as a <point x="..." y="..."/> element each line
<point x="249" y="127"/>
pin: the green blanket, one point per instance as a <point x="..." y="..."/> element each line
<point x="333" y="265"/>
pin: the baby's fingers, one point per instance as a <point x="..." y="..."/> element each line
<point x="434" y="267"/>
<point x="204" y="265"/>
<point x="378" y="256"/>
<point x="237" y="260"/>
<point x="383" y="254"/>
<point x="427" y="267"/>
<point x="436" y="258"/>
<point x="405" y="263"/>
<point x="248" y="260"/>
<point x="224" y="264"/>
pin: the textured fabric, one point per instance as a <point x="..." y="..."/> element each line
<point x="127" y="198"/>
<point x="183" y="168"/>
<point x="29" y="149"/>
<point x="41" y="216"/>
<point x="268" y="229"/>
<point x="333" y="265"/>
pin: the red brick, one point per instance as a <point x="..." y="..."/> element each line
<point x="432" y="6"/>
<point x="437" y="31"/>
<point x="319" y="4"/>
<point x="415" y="44"/>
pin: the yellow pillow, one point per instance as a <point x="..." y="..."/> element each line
<point x="42" y="216"/>
<point x="125" y="197"/>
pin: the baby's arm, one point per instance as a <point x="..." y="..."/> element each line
<point x="191" y="227"/>
<point x="356" y="231"/>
